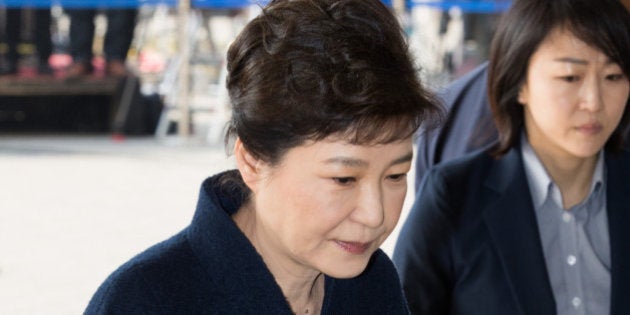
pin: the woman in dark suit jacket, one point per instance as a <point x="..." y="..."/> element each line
<point x="539" y="222"/>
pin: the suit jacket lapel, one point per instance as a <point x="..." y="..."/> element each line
<point x="618" y="190"/>
<point x="513" y="228"/>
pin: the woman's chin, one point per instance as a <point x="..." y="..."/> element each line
<point x="347" y="269"/>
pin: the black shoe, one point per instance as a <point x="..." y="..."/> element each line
<point x="116" y="68"/>
<point x="78" y="70"/>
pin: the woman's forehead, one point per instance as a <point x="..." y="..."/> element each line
<point x="562" y="45"/>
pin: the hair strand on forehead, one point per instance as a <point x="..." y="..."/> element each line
<point x="603" y="25"/>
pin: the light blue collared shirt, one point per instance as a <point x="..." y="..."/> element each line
<point x="575" y="241"/>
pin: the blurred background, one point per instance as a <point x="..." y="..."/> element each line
<point x="98" y="166"/>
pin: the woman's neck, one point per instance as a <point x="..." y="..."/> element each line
<point x="304" y="297"/>
<point x="573" y="175"/>
<point x="303" y="287"/>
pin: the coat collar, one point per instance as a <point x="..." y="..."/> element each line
<point x="514" y="232"/>
<point x="226" y="253"/>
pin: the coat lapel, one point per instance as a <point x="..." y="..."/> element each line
<point x="618" y="190"/>
<point x="513" y="228"/>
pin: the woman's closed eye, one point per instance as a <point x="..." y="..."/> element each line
<point x="570" y="78"/>
<point x="615" y="77"/>
<point x="397" y="177"/>
<point x="344" y="180"/>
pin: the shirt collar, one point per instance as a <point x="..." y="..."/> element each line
<point x="541" y="184"/>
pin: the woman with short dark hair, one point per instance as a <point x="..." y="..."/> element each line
<point x="325" y="102"/>
<point x="537" y="223"/>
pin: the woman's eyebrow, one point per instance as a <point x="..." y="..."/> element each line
<point x="354" y="162"/>
<point x="347" y="161"/>
<point x="572" y="60"/>
<point x="580" y="61"/>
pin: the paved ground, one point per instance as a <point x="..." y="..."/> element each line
<point x="73" y="208"/>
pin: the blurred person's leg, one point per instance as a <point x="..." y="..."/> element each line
<point x="81" y="39"/>
<point x="43" y="40"/>
<point x="121" y="24"/>
<point x="13" y="32"/>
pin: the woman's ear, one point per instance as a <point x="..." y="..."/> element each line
<point x="247" y="164"/>
<point x="523" y="94"/>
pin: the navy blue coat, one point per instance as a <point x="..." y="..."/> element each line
<point x="212" y="268"/>
<point x="471" y="245"/>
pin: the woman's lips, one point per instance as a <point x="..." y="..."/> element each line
<point x="590" y="129"/>
<point x="356" y="248"/>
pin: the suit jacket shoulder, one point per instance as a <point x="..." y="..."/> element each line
<point x="470" y="244"/>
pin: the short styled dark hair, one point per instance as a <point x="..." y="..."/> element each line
<point x="602" y="24"/>
<point x="309" y="69"/>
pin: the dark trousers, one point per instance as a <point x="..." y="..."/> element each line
<point x="120" y="28"/>
<point x="43" y="42"/>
